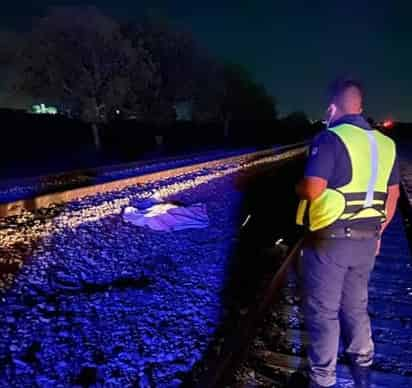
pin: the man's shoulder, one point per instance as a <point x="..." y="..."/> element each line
<point x="326" y="138"/>
<point x="387" y="140"/>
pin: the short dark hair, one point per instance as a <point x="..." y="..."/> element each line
<point x="340" y="85"/>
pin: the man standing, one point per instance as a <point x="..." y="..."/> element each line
<point x="349" y="196"/>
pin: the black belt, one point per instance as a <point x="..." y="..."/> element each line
<point x="345" y="233"/>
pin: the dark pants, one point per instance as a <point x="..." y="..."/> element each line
<point x="335" y="275"/>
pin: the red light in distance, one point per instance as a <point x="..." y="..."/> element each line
<point x="388" y="124"/>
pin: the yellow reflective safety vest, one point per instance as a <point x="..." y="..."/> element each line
<point x="372" y="156"/>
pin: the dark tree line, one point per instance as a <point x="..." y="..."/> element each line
<point x="93" y="67"/>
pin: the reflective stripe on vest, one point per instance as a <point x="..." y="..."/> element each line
<point x="372" y="156"/>
<point x="374" y="168"/>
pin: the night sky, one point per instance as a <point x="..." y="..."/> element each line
<point x="294" y="48"/>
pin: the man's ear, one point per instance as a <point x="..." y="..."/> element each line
<point x="332" y="110"/>
<point x="330" y="114"/>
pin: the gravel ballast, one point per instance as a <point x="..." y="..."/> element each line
<point x="88" y="300"/>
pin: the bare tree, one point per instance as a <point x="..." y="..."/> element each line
<point x="175" y="59"/>
<point x="209" y="90"/>
<point x="78" y="57"/>
<point x="10" y="44"/>
<point x="244" y="99"/>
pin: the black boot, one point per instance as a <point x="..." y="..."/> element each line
<point x="302" y="380"/>
<point x="298" y="380"/>
<point x="361" y="376"/>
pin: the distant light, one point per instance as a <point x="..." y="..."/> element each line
<point x="117" y="111"/>
<point x="43" y="109"/>
<point x="388" y="124"/>
<point x="280" y="240"/>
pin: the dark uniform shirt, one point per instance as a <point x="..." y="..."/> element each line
<point x="329" y="159"/>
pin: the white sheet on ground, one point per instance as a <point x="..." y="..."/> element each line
<point x="168" y="217"/>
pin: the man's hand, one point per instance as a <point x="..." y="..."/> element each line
<point x="391" y="204"/>
<point x="311" y="187"/>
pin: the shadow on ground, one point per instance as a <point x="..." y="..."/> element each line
<point x="267" y="214"/>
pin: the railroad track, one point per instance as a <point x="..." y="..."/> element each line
<point x="219" y="373"/>
<point x="38" y="192"/>
<point x="270" y="343"/>
<point x="86" y="298"/>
